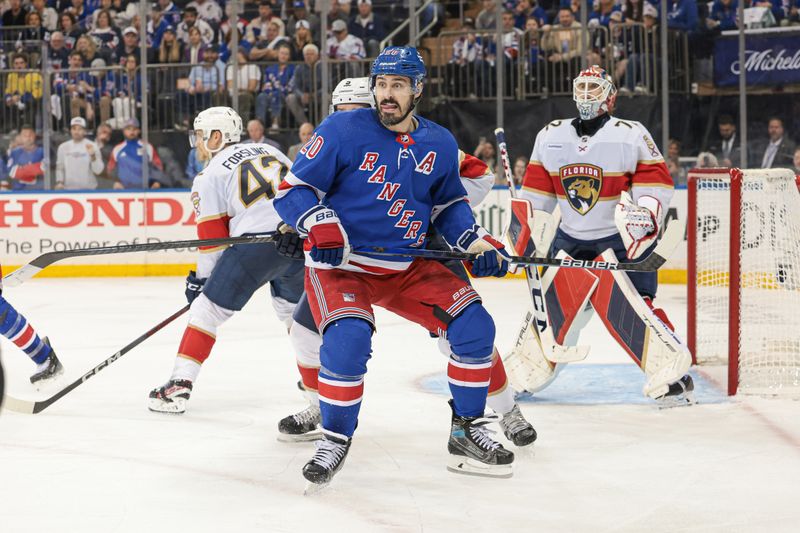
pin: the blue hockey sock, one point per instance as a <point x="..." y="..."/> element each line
<point x="15" y="328"/>
<point x="471" y="336"/>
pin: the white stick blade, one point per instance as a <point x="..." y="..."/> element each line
<point x="20" y="275"/>
<point x="18" y="406"/>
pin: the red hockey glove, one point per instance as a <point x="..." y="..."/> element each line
<point x="329" y="243"/>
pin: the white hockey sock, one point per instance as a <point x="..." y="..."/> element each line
<point x="186" y="369"/>
<point x="503" y="401"/>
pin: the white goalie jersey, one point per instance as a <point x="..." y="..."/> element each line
<point x="233" y="196"/>
<point x="585" y="175"/>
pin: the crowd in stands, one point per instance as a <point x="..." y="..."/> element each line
<point x="90" y="64"/>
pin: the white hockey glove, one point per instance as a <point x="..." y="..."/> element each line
<point x="638" y="225"/>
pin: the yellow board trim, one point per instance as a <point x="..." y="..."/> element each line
<point x="668" y="276"/>
<point x="109" y="271"/>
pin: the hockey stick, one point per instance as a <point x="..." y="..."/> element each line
<point x="673" y="235"/>
<point x="553" y="350"/>
<point x="26" y="272"/>
<point x="33" y="407"/>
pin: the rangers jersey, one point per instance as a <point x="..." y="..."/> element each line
<point x="386" y="187"/>
<point x="233" y="195"/>
<point x="585" y="175"/>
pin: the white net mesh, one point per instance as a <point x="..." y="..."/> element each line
<point x="769" y="327"/>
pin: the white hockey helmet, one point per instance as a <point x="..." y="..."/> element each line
<point x="594" y="92"/>
<point x="352" y="91"/>
<point x="222" y="119"/>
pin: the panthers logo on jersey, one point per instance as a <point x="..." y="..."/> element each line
<point x="581" y="184"/>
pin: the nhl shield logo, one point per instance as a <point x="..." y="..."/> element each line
<point x="582" y="183"/>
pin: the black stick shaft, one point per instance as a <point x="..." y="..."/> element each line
<point x="44" y="404"/>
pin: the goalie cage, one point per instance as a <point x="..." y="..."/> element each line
<point x="744" y="277"/>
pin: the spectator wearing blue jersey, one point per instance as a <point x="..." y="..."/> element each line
<point x="368" y="26"/>
<point x="170" y="12"/>
<point x="25" y="166"/>
<point x="75" y="89"/>
<point x="723" y="15"/>
<point x="526" y="9"/>
<point x="681" y="14"/>
<point x="277" y="86"/>
<point x="129" y="45"/>
<point x="607" y="10"/>
<point x="775" y="6"/>
<point x="125" y="164"/>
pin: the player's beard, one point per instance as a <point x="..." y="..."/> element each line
<point x="392" y="120"/>
<point x="203" y="154"/>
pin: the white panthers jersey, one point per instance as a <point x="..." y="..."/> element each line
<point x="585" y="175"/>
<point x="233" y="195"/>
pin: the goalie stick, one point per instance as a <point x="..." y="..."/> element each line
<point x="673" y="235"/>
<point x="26" y="272"/>
<point x="34" y="407"/>
<point x="553" y="351"/>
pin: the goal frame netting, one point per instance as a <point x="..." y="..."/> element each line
<point x="736" y="178"/>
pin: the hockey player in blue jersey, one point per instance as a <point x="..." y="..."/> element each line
<point x="378" y="179"/>
<point x="477" y="178"/>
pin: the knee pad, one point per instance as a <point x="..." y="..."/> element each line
<point x="346" y="348"/>
<point x="207" y="315"/>
<point x="306" y="344"/>
<point x="471" y="335"/>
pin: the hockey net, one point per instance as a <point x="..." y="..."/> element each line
<point x="744" y="277"/>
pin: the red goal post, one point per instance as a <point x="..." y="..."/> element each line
<point x="743" y="282"/>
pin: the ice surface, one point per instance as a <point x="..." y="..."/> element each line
<point x="606" y="459"/>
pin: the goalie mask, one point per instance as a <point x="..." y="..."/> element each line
<point x="594" y="93"/>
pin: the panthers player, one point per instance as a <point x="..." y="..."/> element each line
<point x="15" y="327"/>
<point x="232" y="196"/>
<point x="477" y="179"/>
<point x="613" y="189"/>
<point x="369" y="179"/>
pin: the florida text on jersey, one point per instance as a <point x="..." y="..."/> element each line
<point x="586" y="174"/>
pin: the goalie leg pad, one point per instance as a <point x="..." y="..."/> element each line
<point x="566" y="293"/>
<point x="643" y="335"/>
<point x="527" y="367"/>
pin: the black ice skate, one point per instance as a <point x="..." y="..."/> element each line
<point x="171" y="397"/>
<point x="53" y="369"/>
<point x="516" y="428"/>
<point x="679" y="394"/>
<point x="472" y="449"/>
<point x="301" y="426"/>
<point x="328" y="459"/>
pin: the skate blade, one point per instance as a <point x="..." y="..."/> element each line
<point x="48" y="382"/>
<point x="305" y="437"/>
<point x="682" y="400"/>
<point x="470" y="467"/>
<point x="314" y="488"/>
<point x="167" y="408"/>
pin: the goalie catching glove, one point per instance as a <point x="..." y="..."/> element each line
<point x="493" y="258"/>
<point x="329" y="243"/>
<point x="638" y="224"/>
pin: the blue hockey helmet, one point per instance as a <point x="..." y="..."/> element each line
<point x="399" y="61"/>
